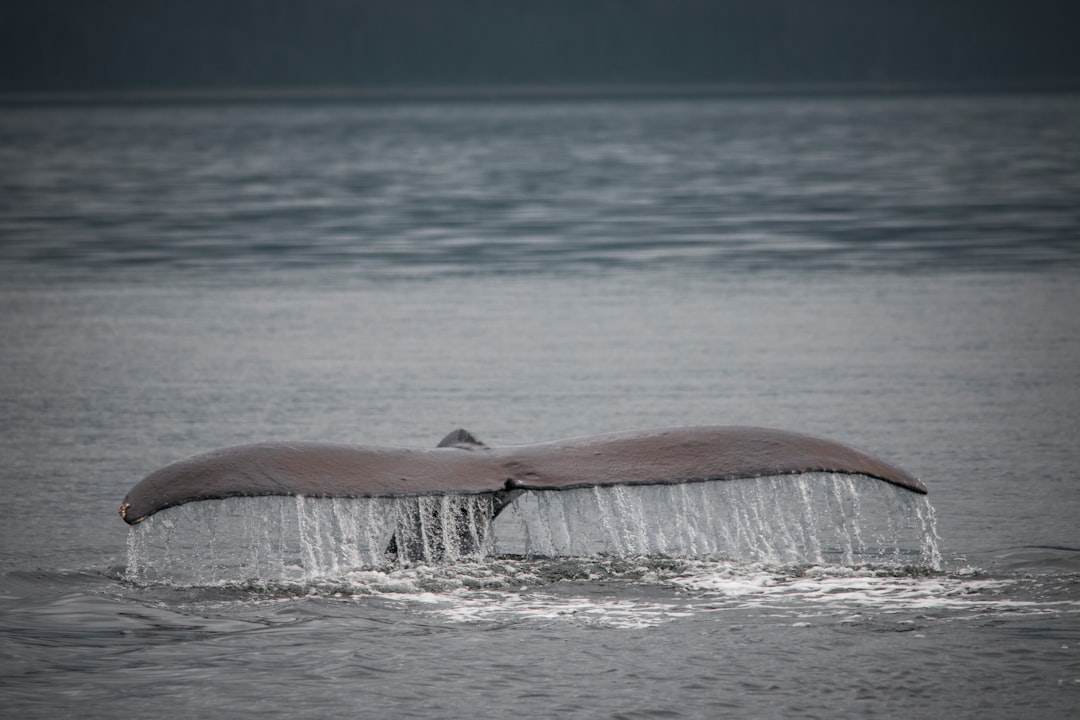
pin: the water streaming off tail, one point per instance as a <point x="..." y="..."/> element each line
<point x="814" y="518"/>
<point x="300" y="538"/>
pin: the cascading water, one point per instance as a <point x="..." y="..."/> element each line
<point x="300" y="538"/>
<point x="811" y="518"/>
<point x="801" y="519"/>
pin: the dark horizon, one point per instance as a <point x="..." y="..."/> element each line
<point x="374" y="48"/>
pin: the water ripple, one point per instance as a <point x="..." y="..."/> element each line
<point x="414" y="189"/>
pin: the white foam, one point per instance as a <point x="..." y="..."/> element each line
<point x="464" y="607"/>
<point x="553" y="590"/>
<point x="880" y="590"/>
<point x="508" y="591"/>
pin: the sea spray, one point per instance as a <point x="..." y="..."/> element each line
<point x="803" y="519"/>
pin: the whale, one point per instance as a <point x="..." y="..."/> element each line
<point x="463" y="465"/>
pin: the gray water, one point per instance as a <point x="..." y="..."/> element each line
<point x="900" y="275"/>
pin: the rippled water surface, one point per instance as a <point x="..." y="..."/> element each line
<point x="407" y="189"/>
<point x="897" y="274"/>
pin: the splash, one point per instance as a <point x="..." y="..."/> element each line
<point x="805" y="519"/>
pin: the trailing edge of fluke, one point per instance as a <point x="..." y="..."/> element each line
<point x="463" y="465"/>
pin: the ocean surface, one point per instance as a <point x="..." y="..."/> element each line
<point x="899" y="274"/>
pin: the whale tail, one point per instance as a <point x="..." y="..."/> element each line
<point x="462" y="465"/>
<point x="431" y="530"/>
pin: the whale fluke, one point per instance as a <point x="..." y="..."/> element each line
<point x="464" y="465"/>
